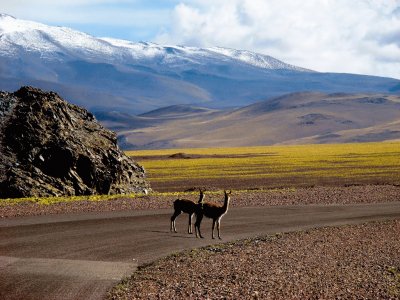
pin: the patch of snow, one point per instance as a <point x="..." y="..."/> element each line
<point x="255" y="59"/>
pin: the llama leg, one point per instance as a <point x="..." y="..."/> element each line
<point x="190" y="224"/>
<point x="197" y="224"/>
<point x="173" y="225"/>
<point x="218" y="227"/>
<point x="212" y="231"/>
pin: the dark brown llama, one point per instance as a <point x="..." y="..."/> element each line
<point x="188" y="207"/>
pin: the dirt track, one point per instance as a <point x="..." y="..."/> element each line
<point x="80" y="256"/>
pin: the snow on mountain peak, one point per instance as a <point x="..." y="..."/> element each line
<point x="50" y="41"/>
<point x="9" y="25"/>
<point x="255" y="59"/>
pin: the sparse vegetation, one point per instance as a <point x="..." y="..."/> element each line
<point x="91" y="198"/>
<point x="394" y="277"/>
<point x="294" y="165"/>
<point x="54" y="200"/>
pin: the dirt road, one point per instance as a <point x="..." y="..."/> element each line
<point x="80" y="256"/>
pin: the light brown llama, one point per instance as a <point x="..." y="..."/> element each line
<point x="214" y="212"/>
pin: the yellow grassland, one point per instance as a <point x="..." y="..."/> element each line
<point x="355" y="161"/>
<point x="359" y="160"/>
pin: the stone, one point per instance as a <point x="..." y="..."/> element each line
<point x="49" y="147"/>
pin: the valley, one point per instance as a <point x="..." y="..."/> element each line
<point x="299" y="118"/>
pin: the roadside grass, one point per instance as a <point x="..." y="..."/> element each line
<point x="395" y="278"/>
<point x="54" y="200"/>
<point x="97" y="198"/>
<point x="358" y="161"/>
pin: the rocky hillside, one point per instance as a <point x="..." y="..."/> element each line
<point x="50" y="147"/>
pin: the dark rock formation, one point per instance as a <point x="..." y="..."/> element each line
<point x="49" y="147"/>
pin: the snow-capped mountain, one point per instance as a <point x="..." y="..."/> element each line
<point x="104" y="73"/>
<point x="57" y="43"/>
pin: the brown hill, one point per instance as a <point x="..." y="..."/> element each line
<point x="291" y="119"/>
<point x="50" y="147"/>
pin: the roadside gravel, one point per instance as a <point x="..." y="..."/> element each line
<point x="312" y="195"/>
<point x="349" y="262"/>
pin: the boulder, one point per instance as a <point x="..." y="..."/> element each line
<point x="49" y="147"/>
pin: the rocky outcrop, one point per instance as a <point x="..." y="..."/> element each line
<point x="49" y="147"/>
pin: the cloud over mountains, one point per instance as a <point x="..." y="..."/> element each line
<point x="360" y="36"/>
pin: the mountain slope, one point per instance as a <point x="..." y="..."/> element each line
<point x="291" y="119"/>
<point x="103" y="73"/>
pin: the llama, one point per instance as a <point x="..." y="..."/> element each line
<point x="212" y="211"/>
<point x="186" y="206"/>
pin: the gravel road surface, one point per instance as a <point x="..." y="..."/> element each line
<point x="81" y="255"/>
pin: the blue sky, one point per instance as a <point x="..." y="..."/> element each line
<point x="126" y="19"/>
<point x="138" y="20"/>
<point x="358" y="36"/>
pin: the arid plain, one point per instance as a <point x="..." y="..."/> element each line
<point x="303" y="264"/>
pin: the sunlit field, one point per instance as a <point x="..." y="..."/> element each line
<point x="272" y="166"/>
<point x="281" y="168"/>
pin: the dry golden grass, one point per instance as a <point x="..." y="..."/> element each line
<point x="360" y="162"/>
<point x="270" y="166"/>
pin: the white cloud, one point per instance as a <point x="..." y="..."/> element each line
<point x="360" y="36"/>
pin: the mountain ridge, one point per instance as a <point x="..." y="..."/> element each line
<point x="103" y="74"/>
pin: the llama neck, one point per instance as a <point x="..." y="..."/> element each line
<point x="201" y="199"/>
<point x="226" y="203"/>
